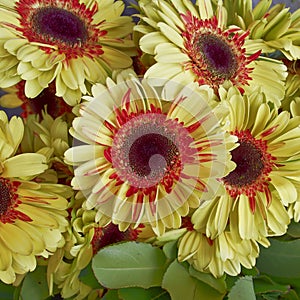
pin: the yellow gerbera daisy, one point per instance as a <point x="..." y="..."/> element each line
<point x="193" y="43"/>
<point x="266" y="178"/>
<point x="32" y="215"/>
<point x="151" y="153"/>
<point x="226" y="253"/>
<point x="74" y="43"/>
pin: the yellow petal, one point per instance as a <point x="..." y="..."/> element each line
<point x="25" y="164"/>
<point x="149" y="42"/>
<point x="5" y="258"/>
<point x="35" y="235"/>
<point x="39" y="216"/>
<point x="171" y="34"/>
<point x="33" y="88"/>
<point x="246" y="218"/>
<point x="8" y="276"/>
<point x="72" y="97"/>
<point x="285" y="188"/>
<point x="15" y="239"/>
<point x="167" y="53"/>
<point x="25" y="263"/>
<point x="116" y="59"/>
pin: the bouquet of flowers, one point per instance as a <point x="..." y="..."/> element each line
<point x="157" y="150"/>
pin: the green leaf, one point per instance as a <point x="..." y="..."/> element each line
<point x="281" y="259"/>
<point x="134" y="293"/>
<point x="291" y="295"/>
<point x="230" y="281"/>
<point x="243" y="289"/>
<point x="88" y="277"/>
<point x="293" y="283"/>
<point x="218" y="284"/>
<point x="156" y="293"/>
<point x="35" y="285"/>
<point x="130" y="264"/>
<point x="111" y="295"/>
<point x="270" y="296"/>
<point x="264" y="284"/>
<point x="170" y="250"/>
<point x="6" y="291"/>
<point x="250" y="272"/>
<point x="181" y="285"/>
<point x="294" y="229"/>
<point x="17" y="292"/>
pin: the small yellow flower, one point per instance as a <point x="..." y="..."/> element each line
<point x="224" y="254"/>
<point x="271" y="29"/>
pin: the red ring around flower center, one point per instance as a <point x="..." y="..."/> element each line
<point x="146" y="149"/>
<point x="215" y="55"/>
<point x="65" y="26"/>
<point x="9" y="201"/>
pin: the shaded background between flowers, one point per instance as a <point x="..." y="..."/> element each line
<point x="71" y="275"/>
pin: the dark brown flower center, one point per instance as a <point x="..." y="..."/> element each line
<point x="146" y="149"/>
<point x="250" y="165"/>
<point x="47" y="101"/>
<point x="59" y="24"/>
<point x="151" y="153"/>
<point x="104" y="236"/>
<point x="218" y="56"/>
<point x="5" y="198"/>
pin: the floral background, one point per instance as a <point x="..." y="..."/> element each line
<point x="149" y="149"/>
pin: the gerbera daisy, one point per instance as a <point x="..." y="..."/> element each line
<point x="193" y="43"/>
<point x="266" y="177"/>
<point x="32" y="215"/>
<point x="74" y="43"/>
<point x="151" y="153"/>
<point x="226" y="253"/>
